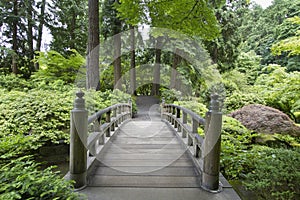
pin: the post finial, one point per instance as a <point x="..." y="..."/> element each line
<point x="214" y="102"/>
<point x="79" y="102"/>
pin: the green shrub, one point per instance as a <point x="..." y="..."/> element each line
<point x="279" y="89"/>
<point x="170" y="95"/>
<point x="193" y="105"/>
<point x="276" y="173"/>
<point x="14" y="82"/>
<point x="236" y="159"/>
<point x="54" y="66"/>
<point x="238" y="99"/>
<point x="21" y="179"/>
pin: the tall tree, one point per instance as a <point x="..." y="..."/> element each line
<point x="112" y="27"/>
<point x="19" y="21"/>
<point x="68" y="25"/>
<point x="174" y="73"/>
<point x="14" y="37"/>
<point x="224" y="49"/>
<point x="93" y="46"/>
<point x="132" y="62"/>
<point x="262" y="28"/>
<point x="42" y="6"/>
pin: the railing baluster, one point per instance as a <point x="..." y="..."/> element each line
<point x="184" y="121"/>
<point x="107" y="120"/>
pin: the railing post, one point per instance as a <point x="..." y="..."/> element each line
<point x="78" y="142"/>
<point x="108" y="120"/>
<point x="184" y="122"/>
<point x="114" y="113"/>
<point x="173" y="113"/>
<point x="212" y="147"/>
<point x="177" y="117"/>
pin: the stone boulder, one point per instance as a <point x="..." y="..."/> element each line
<point x="264" y="119"/>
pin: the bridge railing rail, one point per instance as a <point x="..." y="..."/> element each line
<point x="88" y="135"/>
<point x="206" y="150"/>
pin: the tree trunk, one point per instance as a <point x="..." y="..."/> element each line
<point x="117" y="26"/>
<point x="30" y="35"/>
<point x="14" y="65"/>
<point x="132" y="62"/>
<point x="40" y="30"/>
<point x="93" y="46"/>
<point x="176" y="61"/>
<point x="72" y="29"/>
<point x="156" y="72"/>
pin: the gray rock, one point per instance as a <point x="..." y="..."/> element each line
<point x="264" y="119"/>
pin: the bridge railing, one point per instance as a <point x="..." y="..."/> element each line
<point x="89" y="134"/>
<point x="206" y="150"/>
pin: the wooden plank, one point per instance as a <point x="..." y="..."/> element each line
<point x="144" y="181"/>
<point x="144" y="156"/>
<point x="146" y="171"/>
<point x="145" y="163"/>
<point x="144" y="146"/>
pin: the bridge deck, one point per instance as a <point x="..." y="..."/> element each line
<point x="145" y="160"/>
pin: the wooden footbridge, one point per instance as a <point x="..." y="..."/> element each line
<point x="156" y="155"/>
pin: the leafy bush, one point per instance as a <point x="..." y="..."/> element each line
<point x="239" y="99"/>
<point x="170" y="95"/>
<point x="14" y="82"/>
<point x="54" y="66"/>
<point x="21" y="179"/>
<point x="194" y="106"/>
<point x="44" y="115"/>
<point x="235" y="156"/>
<point x="276" y="171"/>
<point x="280" y="89"/>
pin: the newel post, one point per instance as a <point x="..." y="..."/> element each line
<point x="78" y="142"/>
<point x="212" y="146"/>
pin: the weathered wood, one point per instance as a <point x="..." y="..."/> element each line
<point x="212" y="147"/>
<point x="78" y="142"/>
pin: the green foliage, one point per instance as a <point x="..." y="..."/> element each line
<point x="235" y="159"/>
<point x="54" y="66"/>
<point x="11" y="81"/>
<point x="44" y="115"/>
<point x="248" y="64"/>
<point x="68" y="25"/>
<point x="291" y="44"/>
<point x="22" y="179"/>
<point x="263" y="28"/>
<point x="275" y="171"/>
<point x="170" y="95"/>
<point x="167" y="15"/>
<point x="224" y="49"/>
<point x="279" y="89"/>
<point x="238" y="100"/>
<point x="194" y="106"/>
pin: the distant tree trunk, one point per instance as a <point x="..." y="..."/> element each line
<point x="174" y="73"/>
<point x="93" y="46"/>
<point x="40" y="30"/>
<point x="30" y="34"/>
<point x="73" y="29"/>
<point x="132" y="62"/>
<point x="14" y="65"/>
<point x="156" y="72"/>
<point x="117" y="53"/>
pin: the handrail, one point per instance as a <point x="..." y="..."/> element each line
<point x="195" y="116"/>
<point x="85" y="147"/>
<point x="205" y="150"/>
<point x="98" y="114"/>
